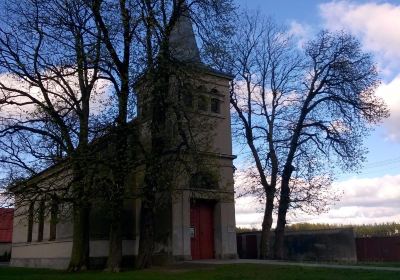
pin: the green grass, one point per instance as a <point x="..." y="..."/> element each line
<point x="220" y="272"/>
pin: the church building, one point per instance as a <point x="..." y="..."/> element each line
<point x="199" y="222"/>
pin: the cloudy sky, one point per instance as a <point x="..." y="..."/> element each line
<point x="372" y="195"/>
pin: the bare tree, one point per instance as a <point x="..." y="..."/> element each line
<point x="301" y="114"/>
<point x="50" y="67"/>
<point x="146" y="28"/>
<point x="266" y="65"/>
<point x="118" y="24"/>
<point x="334" y="108"/>
<point x="172" y="62"/>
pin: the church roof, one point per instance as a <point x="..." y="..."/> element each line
<point x="184" y="47"/>
<point x="183" y="41"/>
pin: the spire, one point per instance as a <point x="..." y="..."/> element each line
<point x="183" y="41"/>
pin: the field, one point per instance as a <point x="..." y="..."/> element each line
<point x="219" y="272"/>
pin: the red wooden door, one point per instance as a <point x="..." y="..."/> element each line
<point x="202" y="223"/>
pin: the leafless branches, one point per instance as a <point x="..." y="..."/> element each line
<point x="302" y="113"/>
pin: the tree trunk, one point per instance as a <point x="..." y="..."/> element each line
<point x="81" y="210"/>
<point x="114" y="261"/>
<point x="155" y="179"/>
<point x="266" y="229"/>
<point x="281" y="222"/>
<point x="146" y="244"/>
<point x="116" y="195"/>
<point x="80" y="244"/>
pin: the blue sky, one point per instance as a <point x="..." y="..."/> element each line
<point x="307" y="13"/>
<point x="372" y="195"/>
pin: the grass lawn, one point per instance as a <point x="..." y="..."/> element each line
<point x="219" y="272"/>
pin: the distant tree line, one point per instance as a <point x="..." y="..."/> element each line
<point x="364" y="230"/>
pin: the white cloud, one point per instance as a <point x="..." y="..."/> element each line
<point x="367" y="200"/>
<point x="370" y="192"/>
<point x="377" y="24"/>
<point x="248" y="207"/>
<point x="14" y="111"/>
<point x="390" y="92"/>
<point x="373" y="200"/>
<point x="301" y="32"/>
<point x="99" y="97"/>
<point x="248" y="212"/>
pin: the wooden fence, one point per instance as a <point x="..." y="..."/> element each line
<point x="379" y="249"/>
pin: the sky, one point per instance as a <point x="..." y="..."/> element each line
<point x="373" y="194"/>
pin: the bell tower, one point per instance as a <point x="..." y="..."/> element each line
<point x="203" y="209"/>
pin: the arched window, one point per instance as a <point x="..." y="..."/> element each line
<point x="215" y="105"/>
<point x="214" y="91"/>
<point x="202" y="103"/>
<point x="201" y="89"/>
<point x="202" y="99"/>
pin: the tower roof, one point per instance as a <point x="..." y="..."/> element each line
<point x="183" y="41"/>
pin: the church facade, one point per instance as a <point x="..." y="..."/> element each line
<point x="199" y="221"/>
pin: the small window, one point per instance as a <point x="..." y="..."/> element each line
<point x="215" y="105"/>
<point x="214" y="91"/>
<point x="202" y="103"/>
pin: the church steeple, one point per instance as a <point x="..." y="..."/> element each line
<point x="183" y="41"/>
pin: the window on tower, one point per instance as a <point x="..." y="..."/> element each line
<point x="215" y="105"/>
<point x="202" y="103"/>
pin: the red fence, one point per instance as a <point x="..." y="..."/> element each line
<point x="331" y="245"/>
<point x="6" y="224"/>
<point x="378" y="248"/>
